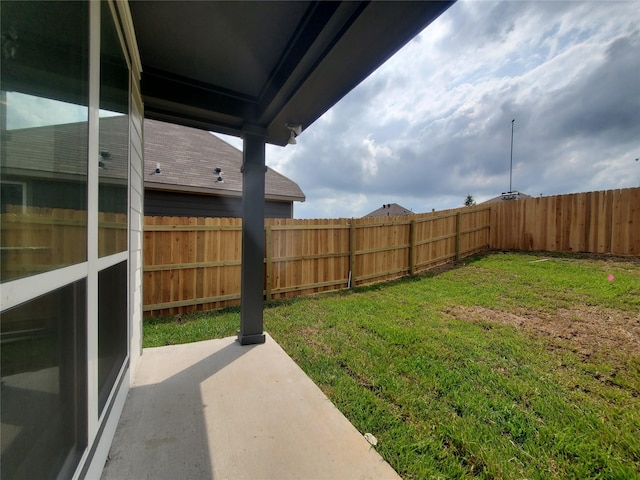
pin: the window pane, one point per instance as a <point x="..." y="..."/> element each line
<point x="43" y="393"/>
<point x="113" y="159"/>
<point x="43" y="128"/>
<point x="112" y="327"/>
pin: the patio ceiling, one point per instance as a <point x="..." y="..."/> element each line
<point x="222" y="66"/>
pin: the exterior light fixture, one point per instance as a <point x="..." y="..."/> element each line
<point x="296" y="129"/>
<point x="158" y="170"/>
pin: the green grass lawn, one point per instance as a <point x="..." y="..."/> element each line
<point x="507" y="366"/>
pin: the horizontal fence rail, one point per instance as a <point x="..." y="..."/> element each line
<point x="194" y="263"/>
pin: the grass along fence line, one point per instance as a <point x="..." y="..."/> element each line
<point x="509" y="366"/>
<point x="194" y="263"/>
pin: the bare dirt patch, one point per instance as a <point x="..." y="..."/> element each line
<point x="588" y="328"/>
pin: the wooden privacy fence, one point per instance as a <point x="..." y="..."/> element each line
<point x="596" y="222"/>
<point x="194" y="263"/>
<point x="35" y="240"/>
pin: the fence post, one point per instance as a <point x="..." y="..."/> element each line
<point x="352" y="253"/>
<point x="268" y="253"/>
<point x="412" y="247"/>
<point x="457" y="236"/>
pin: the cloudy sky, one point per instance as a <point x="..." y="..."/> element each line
<point x="433" y="124"/>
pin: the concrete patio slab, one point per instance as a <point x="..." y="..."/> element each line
<point x="219" y="410"/>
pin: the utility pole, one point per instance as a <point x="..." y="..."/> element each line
<point x="511" y="161"/>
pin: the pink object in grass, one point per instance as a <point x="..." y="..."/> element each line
<point x="610" y="278"/>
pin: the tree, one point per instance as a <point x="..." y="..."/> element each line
<point x="469" y="202"/>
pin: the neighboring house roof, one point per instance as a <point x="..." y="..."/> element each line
<point x="389" y="210"/>
<point x="515" y="195"/>
<point x="59" y="152"/>
<point x="188" y="158"/>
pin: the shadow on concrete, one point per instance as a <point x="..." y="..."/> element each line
<point x="215" y="409"/>
<point x="163" y="430"/>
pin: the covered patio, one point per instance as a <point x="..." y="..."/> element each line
<point x="263" y="71"/>
<point x="218" y="410"/>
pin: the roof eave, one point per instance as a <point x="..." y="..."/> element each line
<point x="216" y="192"/>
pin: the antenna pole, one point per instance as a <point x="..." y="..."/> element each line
<point x="511" y="160"/>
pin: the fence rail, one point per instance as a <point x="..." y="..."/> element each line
<point x="194" y="263"/>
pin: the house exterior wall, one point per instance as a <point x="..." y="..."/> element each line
<point x="177" y="204"/>
<point x="136" y="219"/>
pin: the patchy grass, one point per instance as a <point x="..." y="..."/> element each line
<point x="510" y="366"/>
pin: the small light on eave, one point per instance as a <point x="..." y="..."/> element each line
<point x="218" y="171"/>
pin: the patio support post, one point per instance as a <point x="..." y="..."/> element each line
<point x="252" y="269"/>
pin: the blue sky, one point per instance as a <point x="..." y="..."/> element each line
<point x="433" y="124"/>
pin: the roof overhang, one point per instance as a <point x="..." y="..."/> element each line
<point x="231" y="66"/>
<point x="165" y="187"/>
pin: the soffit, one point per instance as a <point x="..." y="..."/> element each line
<point x="222" y="66"/>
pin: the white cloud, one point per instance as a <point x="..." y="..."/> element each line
<point x="28" y="111"/>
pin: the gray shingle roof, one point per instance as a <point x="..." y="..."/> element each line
<point x="389" y="210"/>
<point x="60" y="151"/>
<point x="188" y="157"/>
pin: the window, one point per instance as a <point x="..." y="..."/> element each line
<point x="44" y="130"/>
<point x="43" y="392"/>
<point x="112" y="328"/>
<point x="113" y="205"/>
<point x="113" y="158"/>
<point x="63" y="207"/>
<point x="13" y="197"/>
